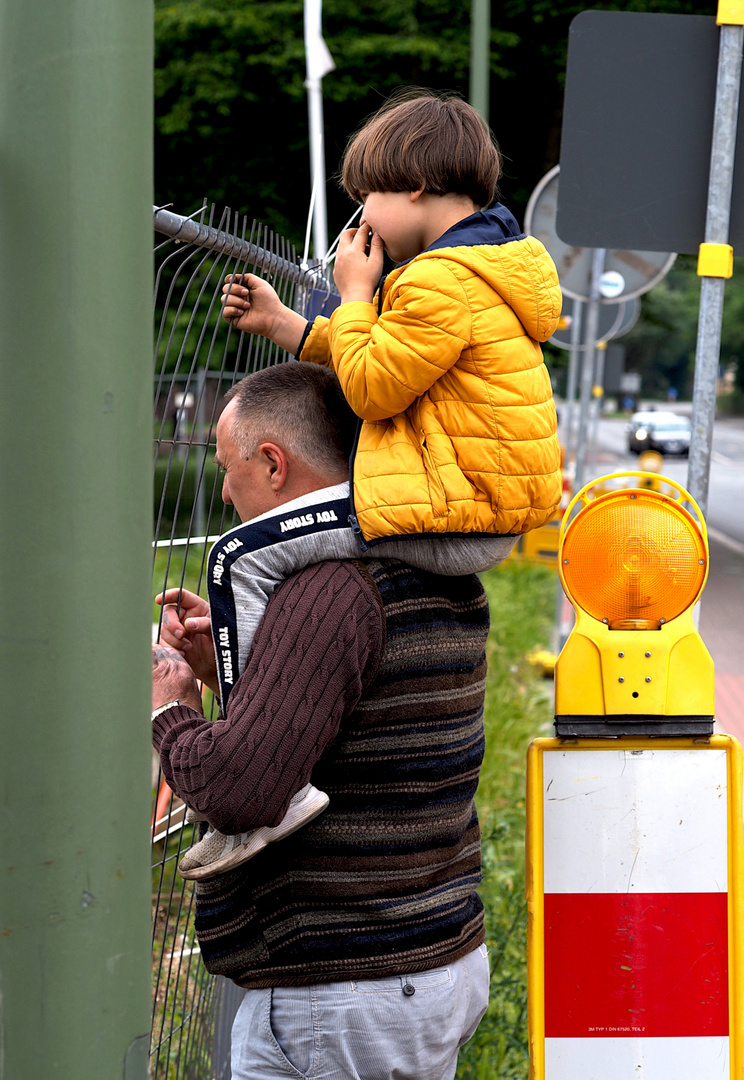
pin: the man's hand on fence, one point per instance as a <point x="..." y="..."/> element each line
<point x="253" y="306"/>
<point x="173" y="679"/>
<point x="357" y="270"/>
<point x="187" y="628"/>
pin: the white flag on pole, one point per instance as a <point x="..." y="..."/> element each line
<point x="318" y="59"/>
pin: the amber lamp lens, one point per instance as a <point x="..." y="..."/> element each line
<point x="634" y="555"/>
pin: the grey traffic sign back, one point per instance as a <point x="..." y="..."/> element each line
<point x="639" y="271"/>
<point x="637" y="129"/>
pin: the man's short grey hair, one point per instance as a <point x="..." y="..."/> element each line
<point x="299" y="406"/>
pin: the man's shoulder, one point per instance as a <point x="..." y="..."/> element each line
<point x="327" y="606"/>
<point x="377" y="581"/>
<point x="327" y="570"/>
<point x="338" y="581"/>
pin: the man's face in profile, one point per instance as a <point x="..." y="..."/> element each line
<point x="245" y="485"/>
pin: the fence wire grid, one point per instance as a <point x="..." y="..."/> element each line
<point x="198" y="357"/>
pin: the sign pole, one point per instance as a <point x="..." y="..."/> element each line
<point x="715" y="260"/>
<point x="598" y="398"/>
<point x="573" y="368"/>
<point x="587" y="367"/>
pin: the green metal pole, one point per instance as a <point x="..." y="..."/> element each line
<point x="75" y="521"/>
<point x="480" y="55"/>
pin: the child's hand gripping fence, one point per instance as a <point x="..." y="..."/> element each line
<point x="198" y="357"/>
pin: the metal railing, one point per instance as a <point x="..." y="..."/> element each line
<point x="198" y="356"/>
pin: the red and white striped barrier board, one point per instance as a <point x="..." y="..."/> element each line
<point x="634" y="882"/>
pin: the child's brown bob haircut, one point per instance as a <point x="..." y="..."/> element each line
<point x="420" y="139"/>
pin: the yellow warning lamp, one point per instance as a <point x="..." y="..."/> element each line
<point x="633" y="561"/>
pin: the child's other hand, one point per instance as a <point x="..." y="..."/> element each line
<point x="357" y="271"/>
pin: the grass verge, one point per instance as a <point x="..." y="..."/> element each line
<point x="518" y="708"/>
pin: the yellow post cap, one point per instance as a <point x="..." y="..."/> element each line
<point x="730" y="13"/>
<point x="715" y="260"/>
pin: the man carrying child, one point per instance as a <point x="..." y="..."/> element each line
<point x="360" y="937"/>
<point x="364" y="676"/>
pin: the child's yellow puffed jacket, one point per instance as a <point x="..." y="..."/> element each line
<point x="445" y="370"/>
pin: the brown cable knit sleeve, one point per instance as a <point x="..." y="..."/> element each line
<point x="317" y="647"/>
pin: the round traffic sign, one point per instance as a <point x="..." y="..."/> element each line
<point x="639" y="270"/>
<point x="631" y="313"/>
<point x="611" y="284"/>
<point x="614" y="321"/>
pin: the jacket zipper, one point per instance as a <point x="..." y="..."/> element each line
<point x="353" y="521"/>
<point x="380" y="287"/>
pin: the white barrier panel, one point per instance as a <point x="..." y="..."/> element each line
<point x="634" y="882"/>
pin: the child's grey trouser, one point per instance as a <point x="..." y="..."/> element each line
<point x="373" y="1029"/>
<point x="248" y="563"/>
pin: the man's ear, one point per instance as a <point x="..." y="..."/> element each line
<point x="275" y="464"/>
<point x="416" y="195"/>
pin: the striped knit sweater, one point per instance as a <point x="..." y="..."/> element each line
<point x="368" y="679"/>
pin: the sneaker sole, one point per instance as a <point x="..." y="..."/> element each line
<point x="296" y="816"/>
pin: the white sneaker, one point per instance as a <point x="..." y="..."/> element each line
<point x="217" y="852"/>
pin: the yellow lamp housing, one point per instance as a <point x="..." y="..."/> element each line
<point x="633" y="561"/>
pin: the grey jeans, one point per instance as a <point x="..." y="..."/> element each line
<point x="374" y="1029"/>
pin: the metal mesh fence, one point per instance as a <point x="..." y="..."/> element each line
<point x="197" y="358"/>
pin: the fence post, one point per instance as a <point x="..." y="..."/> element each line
<point x="75" y="431"/>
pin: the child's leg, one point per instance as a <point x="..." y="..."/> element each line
<point x="245" y="567"/>
<point x="451" y="556"/>
<point x="217" y="852"/>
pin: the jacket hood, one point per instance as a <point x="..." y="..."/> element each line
<point x="495" y="226"/>
<point x="515" y="265"/>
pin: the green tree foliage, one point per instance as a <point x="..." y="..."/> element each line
<point x="231" y="112"/>
<point x="662" y="345"/>
<point x="732" y="338"/>
<point x="231" y="119"/>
